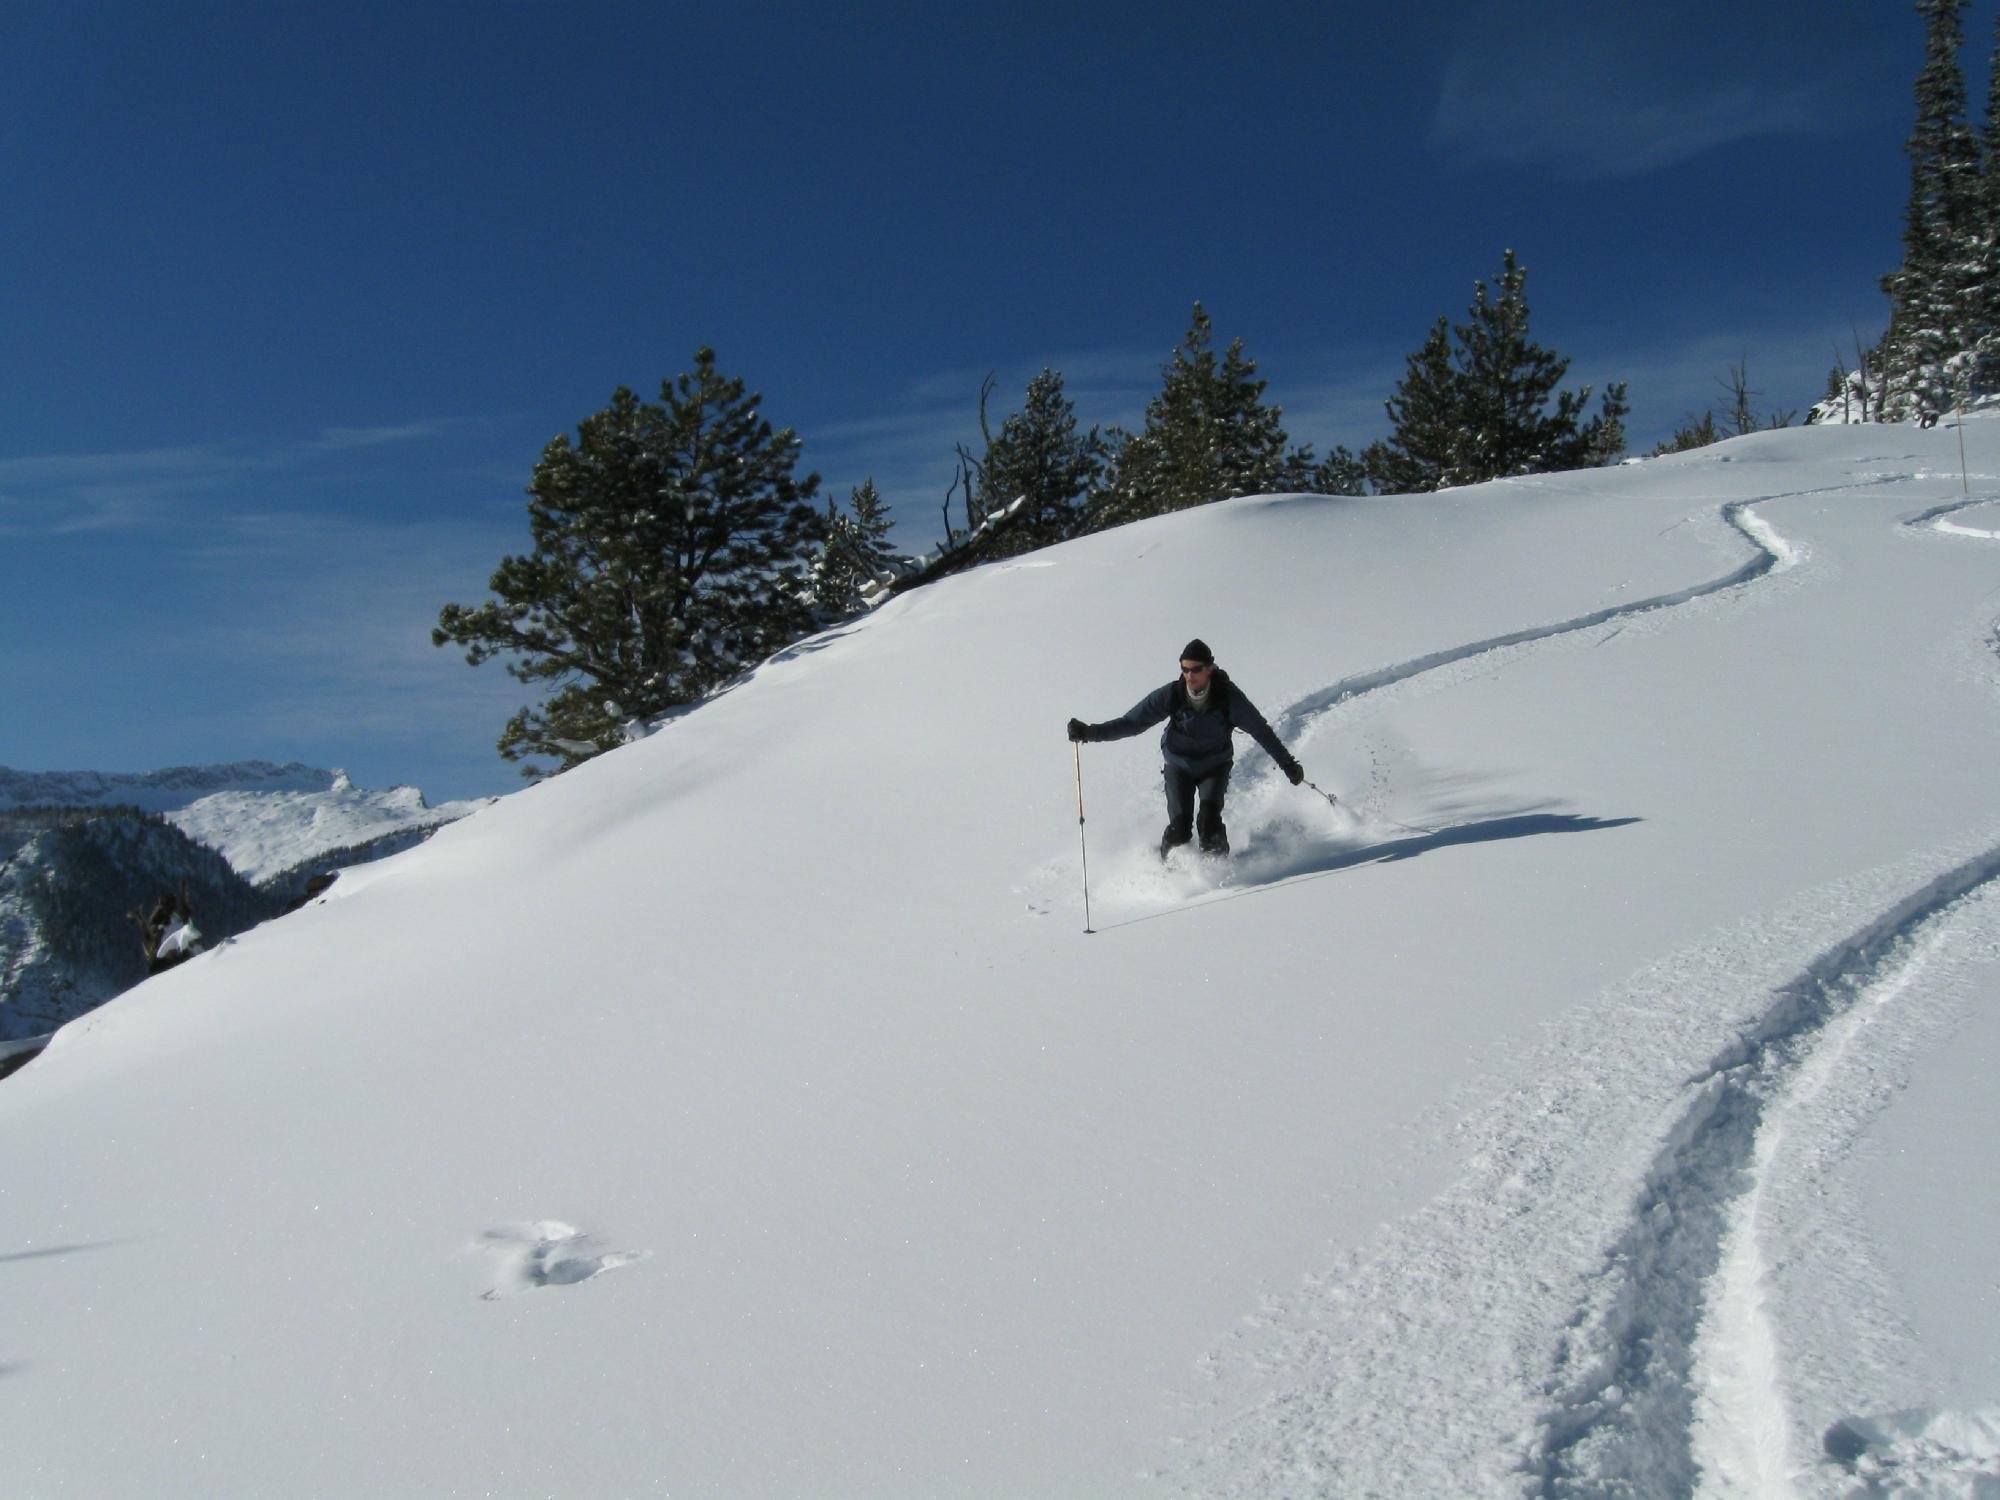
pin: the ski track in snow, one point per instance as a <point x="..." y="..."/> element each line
<point x="1667" y="1373"/>
<point x="1534" y="1329"/>
<point x="1282" y="850"/>
<point x="1938" y="518"/>
<point x="1773" y="554"/>
<point x="1625" y="1385"/>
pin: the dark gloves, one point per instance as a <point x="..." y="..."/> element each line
<point x="1078" y="731"/>
<point x="1295" y="773"/>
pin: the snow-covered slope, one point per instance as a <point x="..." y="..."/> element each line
<point x="748" y="1113"/>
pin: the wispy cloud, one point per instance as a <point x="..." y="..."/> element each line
<point x="194" y="463"/>
<point x="332" y="616"/>
<point x="59" y="494"/>
<point x="1600" y="102"/>
<point x="341" y="439"/>
<point x="64" y="493"/>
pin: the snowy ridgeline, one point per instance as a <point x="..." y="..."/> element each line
<point x="154" y="791"/>
<point x="264" y="819"/>
<point x="82" y="852"/>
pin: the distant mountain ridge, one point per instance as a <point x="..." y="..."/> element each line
<point x="265" y="819"/>
<point x="155" y="791"/>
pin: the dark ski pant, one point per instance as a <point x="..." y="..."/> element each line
<point x="1182" y="821"/>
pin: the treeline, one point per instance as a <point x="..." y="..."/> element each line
<point x="675" y="543"/>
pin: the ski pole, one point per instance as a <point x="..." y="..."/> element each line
<point x="1080" y="841"/>
<point x="1334" y="801"/>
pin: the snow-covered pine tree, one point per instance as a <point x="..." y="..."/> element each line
<point x="856" y="554"/>
<point x="836" y="575"/>
<point x="1986" y="281"/>
<point x="1038" y="453"/>
<point x="1341" y="472"/>
<point x="1208" y="436"/>
<point x="1940" y="327"/>
<point x="671" y="547"/>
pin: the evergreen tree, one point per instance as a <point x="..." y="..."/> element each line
<point x="1208" y="436"/>
<point x="1509" y="381"/>
<point x="1475" y="400"/>
<point x="1425" y="449"/>
<point x="671" y="545"/>
<point x="1341" y="472"/>
<point x="1039" y="454"/>
<point x="1989" y="146"/>
<point x="856" y="555"/>
<point x="1942" y="297"/>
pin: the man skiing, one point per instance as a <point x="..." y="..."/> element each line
<point x="1202" y="708"/>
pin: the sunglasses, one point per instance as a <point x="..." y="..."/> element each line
<point x="1188" y="671"/>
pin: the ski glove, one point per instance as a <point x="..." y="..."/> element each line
<point x="1078" y="731"/>
<point x="1295" y="773"/>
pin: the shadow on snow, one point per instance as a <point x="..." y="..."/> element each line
<point x="1316" y="864"/>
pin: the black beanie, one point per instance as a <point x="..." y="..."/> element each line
<point x="1197" y="650"/>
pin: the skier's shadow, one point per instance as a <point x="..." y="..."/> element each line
<point x="1485" y="831"/>
<point x="1316" y="864"/>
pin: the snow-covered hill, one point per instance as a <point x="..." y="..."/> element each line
<point x="1598" y="1101"/>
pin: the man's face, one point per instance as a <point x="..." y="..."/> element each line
<point x="1197" y="673"/>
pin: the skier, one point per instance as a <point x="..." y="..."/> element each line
<point x="1201" y="707"/>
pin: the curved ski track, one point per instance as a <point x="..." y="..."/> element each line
<point x="1623" y="1391"/>
<point x="1938" y="518"/>
<point x="1611" y="1411"/>
<point x="1773" y="554"/>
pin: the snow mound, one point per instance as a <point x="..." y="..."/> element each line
<point x="547" y="1253"/>
<point x="1920" y="1455"/>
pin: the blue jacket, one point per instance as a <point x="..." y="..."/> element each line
<point x="1197" y="740"/>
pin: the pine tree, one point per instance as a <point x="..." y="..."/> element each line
<point x="671" y="545"/>
<point x="856" y="556"/>
<point x="1425" y="449"/>
<point x="1985" y="279"/>
<point x="1942" y="295"/>
<point x="1208" y="436"/>
<point x="1475" y="400"/>
<point x="1341" y="472"/>
<point x="1989" y="148"/>
<point x="1038" y="455"/>
<point x="1509" y="381"/>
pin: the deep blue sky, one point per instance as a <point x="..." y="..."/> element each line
<point x="291" y="297"/>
